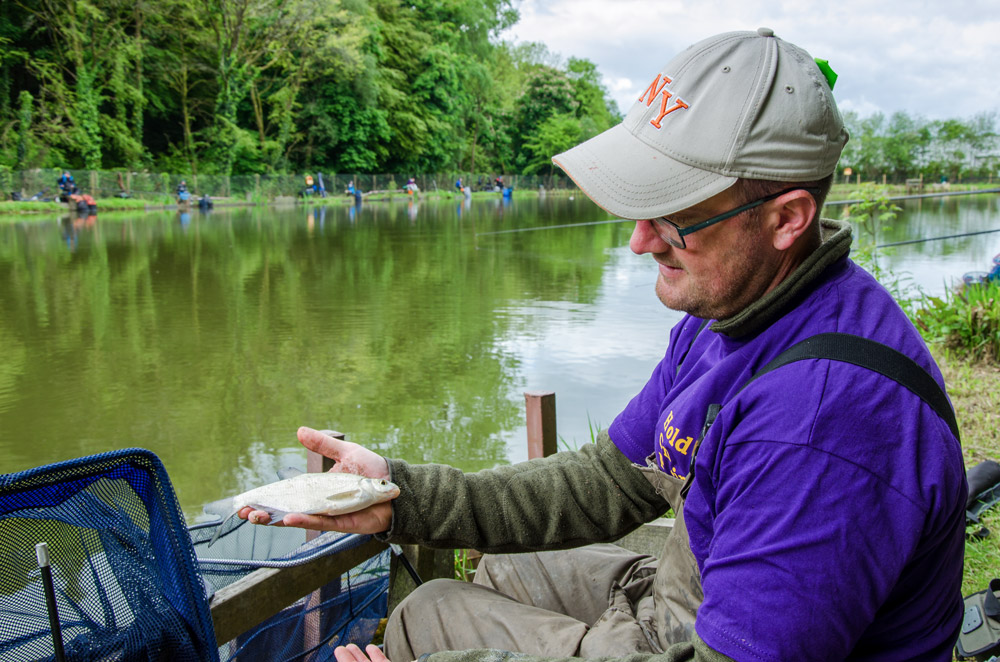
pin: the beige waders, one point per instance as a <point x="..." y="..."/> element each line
<point x="598" y="600"/>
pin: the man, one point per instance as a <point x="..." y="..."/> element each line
<point x="819" y="510"/>
<point x="66" y="183"/>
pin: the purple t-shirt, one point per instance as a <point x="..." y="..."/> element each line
<point x="826" y="512"/>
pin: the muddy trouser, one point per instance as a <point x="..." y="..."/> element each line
<point x="598" y="600"/>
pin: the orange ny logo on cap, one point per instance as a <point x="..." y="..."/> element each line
<point x="658" y="88"/>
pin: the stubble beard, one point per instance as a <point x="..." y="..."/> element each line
<point x="742" y="281"/>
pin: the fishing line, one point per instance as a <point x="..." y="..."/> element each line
<point x="949" y="236"/>
<point x="550" y="227"/>
<point x="832" y="203"/>
<point x="918" y="196"/>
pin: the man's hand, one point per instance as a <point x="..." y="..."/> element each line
<point x="351" y="653"/>
<point x="349" y="458"/>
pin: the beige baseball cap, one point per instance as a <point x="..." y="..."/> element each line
<point x="740" y="104"/>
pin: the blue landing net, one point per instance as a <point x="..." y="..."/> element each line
<point x="132" y="582"/>
<point x="123" y="567"/>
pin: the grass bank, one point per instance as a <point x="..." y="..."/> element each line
<point x="29" y="208"/>
<point x="974" y="387"/>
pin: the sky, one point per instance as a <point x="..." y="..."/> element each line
<point x="938" y="60"/>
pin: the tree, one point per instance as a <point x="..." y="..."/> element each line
<point x="251" y="36"/>
<point x="24" y="129"/>
<point x="549" y="93"/>
<point x="556" y="134"/>
<point x="87" y="42"/>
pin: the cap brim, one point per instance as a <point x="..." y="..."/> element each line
<point x="630" y="179"/>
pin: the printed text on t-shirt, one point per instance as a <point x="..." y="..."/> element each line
<point x="670" y="438"/>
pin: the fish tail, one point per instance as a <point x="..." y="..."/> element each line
<point x="218" y="529"/>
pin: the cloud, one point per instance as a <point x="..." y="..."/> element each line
<point x="924" y="57"/>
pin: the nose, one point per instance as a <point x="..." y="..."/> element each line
<point x="646" y="240"/>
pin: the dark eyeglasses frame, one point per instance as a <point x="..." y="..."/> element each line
<point x="674" y="235"/>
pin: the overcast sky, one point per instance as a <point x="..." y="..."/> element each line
<point x="936" y="59"/>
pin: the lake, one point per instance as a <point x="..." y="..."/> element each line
<point x="209" y="338"/>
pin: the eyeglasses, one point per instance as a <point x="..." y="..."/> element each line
<point x="674" y="235"/>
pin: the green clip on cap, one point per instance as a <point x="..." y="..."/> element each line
<point x="831" y="75"/>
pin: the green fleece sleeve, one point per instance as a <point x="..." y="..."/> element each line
<point x="695" y="651"/>
<point x="566" y="500"/>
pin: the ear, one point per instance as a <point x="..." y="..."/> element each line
<point x="791" y="217"/>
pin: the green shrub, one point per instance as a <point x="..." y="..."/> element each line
<point x="966" y="321"/>
<point x="871" y="215"/>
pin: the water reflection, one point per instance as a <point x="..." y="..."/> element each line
<point x="396" y="323"/>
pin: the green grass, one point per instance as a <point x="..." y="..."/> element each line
<point x="593" y="429"/>
<point x="26" y="207"/>
<point x="974" y="387"/>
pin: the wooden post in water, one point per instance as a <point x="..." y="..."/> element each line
<point x="312" y="632"/>
<point x="541" y="414"/>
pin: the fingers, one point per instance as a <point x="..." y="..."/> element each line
<point x="373" y="519"/>
<point x="323" y="444"/>
<point x="351" y="653"/>
<point x="349" y="457"/>
<point x="375" y="653"/>
<point x="256" y="516"/>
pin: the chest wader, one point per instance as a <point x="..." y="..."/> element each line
<point x="667" y="615"/>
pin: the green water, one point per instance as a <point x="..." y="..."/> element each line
<point x="210" y="338"/>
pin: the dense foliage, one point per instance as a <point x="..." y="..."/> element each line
<point x="255" y="86"/>
<point x="350" y="86"/>
<point x="965" y="321"/>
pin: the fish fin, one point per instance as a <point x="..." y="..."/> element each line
<point x="289" y="472"/>
<point x="275" y="514"/>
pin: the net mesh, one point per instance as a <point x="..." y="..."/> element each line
<point x="346" y="610"/>
<point x="124" y="569"/>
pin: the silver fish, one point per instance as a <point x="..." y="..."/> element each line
<point x="312" y="494"/>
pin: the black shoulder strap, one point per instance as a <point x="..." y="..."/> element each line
<point x="872" y="355"/>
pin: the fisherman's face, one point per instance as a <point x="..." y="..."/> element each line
<point x="724" y="267"/>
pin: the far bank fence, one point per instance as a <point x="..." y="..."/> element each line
<point x="163" y="186"/>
